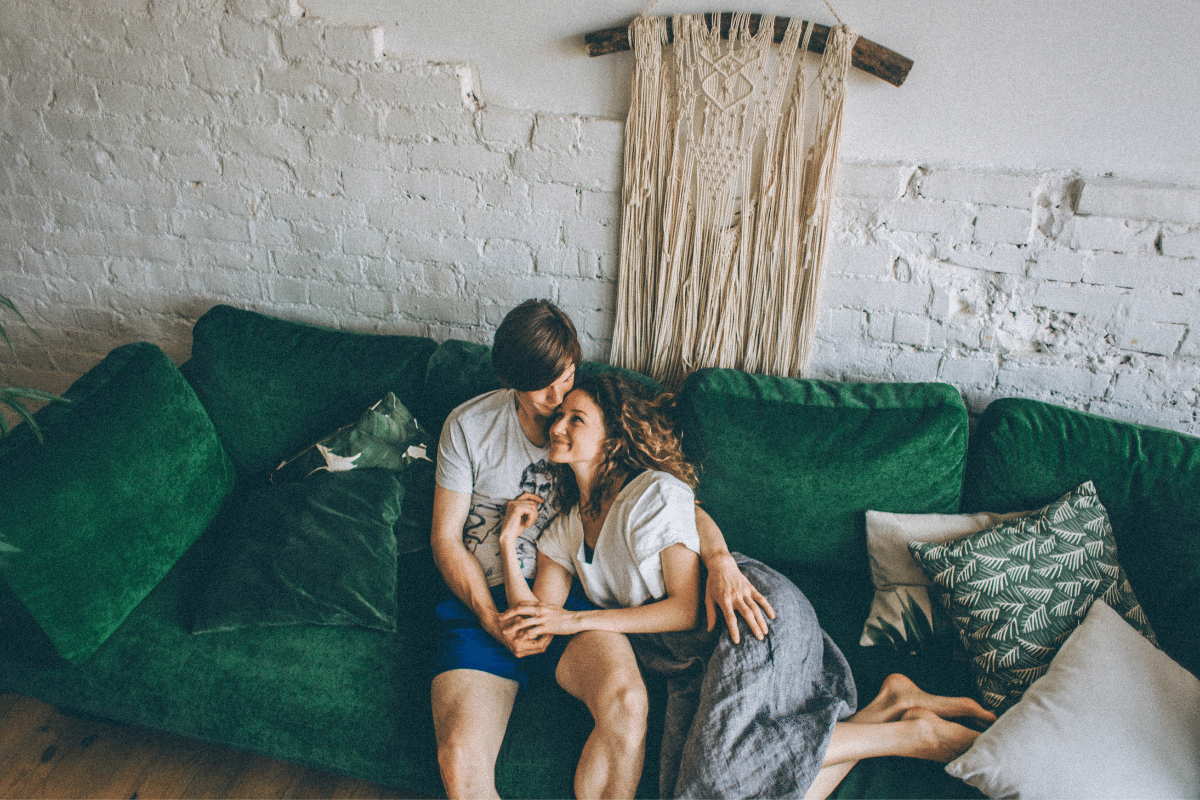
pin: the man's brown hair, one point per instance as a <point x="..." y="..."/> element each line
<point x="534" y="345"/>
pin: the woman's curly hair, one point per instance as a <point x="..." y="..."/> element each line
<point x="640" y="434"/>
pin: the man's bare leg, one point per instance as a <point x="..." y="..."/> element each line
<point x="470" y="714"/>
<point x="599" y="668"/>
<point x="902" y="720"/>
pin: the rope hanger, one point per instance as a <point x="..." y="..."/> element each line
<point x="872" y="58"/>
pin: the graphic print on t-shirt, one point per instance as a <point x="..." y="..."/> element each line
<point x="481" y="533"/>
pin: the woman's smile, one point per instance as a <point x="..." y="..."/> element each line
<point x="578" y="431"/>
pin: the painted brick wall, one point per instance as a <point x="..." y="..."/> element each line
<point x="161" y="156"/>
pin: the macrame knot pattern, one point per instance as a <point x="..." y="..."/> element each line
<point x="725" y="207"/>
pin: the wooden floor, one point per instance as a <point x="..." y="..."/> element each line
<point x="45" y="754"/>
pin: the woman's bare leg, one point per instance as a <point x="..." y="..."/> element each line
<point x="599" y="668"/>
<point x="902" y="720"/>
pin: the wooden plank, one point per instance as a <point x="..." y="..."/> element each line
<point x="869" y="56"/>
<point x="47" y="754"/>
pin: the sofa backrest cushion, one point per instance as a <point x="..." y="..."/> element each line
<point x="131" y="473"/>
<point x="273" y="387"/>
<point x="789" y="467"/>
<point x="1025" y="453"/>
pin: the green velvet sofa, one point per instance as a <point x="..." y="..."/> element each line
<point x="129" y="512"/>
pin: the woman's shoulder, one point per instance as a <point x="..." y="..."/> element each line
<point x="659" y="483"/>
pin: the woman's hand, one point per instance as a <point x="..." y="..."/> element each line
<point x="535" y="620"/>
<point x="519" y="515"/>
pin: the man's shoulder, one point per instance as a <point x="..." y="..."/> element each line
<point x="486" y="404"/>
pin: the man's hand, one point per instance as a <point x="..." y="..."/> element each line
<point x="539" y="621"/>
<point x="520" y="643"/>
<point x="731" y="592"/>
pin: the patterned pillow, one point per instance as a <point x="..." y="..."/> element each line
<point x="1016" y="591"/>
<point x="386" y="436"/>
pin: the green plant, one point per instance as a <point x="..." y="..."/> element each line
<point x="921" y="635"/>
<point x="12" y="396"/>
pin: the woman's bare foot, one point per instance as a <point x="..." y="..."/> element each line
<point x="937" y="739"/>
<point x="899" y="695"/>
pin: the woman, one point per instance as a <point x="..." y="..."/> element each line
<point x="769" y="718"/>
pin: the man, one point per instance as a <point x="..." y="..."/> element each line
<point x="492" y="449"/>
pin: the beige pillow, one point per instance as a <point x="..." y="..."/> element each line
<point x="1113" y="716"/>
<point x="898" y="578"/>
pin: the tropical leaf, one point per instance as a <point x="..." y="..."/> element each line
<point x="12" y="396"/>
<point x="921" y="634"/>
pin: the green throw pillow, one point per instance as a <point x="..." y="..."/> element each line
<point x="131" y="473"/>
<point x="318" y="551"/>
<point x="1016" y="591"/>
<point x="385" y="436"/>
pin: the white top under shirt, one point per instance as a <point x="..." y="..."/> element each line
<point x="652" y="512"/>
<point x="484" y="452"/>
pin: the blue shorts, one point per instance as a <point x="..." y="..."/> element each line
<point x="462" y="643"/>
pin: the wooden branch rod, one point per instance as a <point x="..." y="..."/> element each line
<point x="867" y="55"/>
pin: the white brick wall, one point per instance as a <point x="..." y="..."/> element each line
<point x="159" y="157"/>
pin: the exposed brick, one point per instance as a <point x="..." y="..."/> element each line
<point x="981" y="188"/>
<point x="1139" y="200"/>
<point x="1005" y="225"/>
<point x="873" y="181"/>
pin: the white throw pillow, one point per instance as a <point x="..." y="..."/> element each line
<point x="1114" y="716"/>
<point x="898" y="578"/>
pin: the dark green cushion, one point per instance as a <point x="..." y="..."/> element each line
<point x="317" y="551"/>
<point x="131" y="472"/>
<point x="1025" y="453"/>
<point x="272" y="387"/>
<point x="789" y="467"/>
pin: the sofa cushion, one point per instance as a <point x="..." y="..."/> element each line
<point x="273" y="386"/>
<point x="901" y="605"/>
<point x="386" y="436"/>
<point x="317" y="551"/>
<point x="131" y="472"/>
<point x="1016" y="590"/>
<point x="1025" y="453"/>
<point x="1113" y="717"/>
<point x="789" y="467"/>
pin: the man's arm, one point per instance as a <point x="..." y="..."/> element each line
<point x="727" y="588"/>
<point x="461" y="570"/>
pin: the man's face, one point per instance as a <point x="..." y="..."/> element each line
<point x="544" y="402"/>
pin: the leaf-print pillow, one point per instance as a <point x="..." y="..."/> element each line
<point x="1017" y="590"/>
<point x="387" y="436"/>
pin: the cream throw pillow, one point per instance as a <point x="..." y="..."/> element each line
<point x="898" y="578"/>
<point x="1113" y="716"/>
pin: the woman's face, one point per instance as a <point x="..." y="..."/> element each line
<point x="577" y="435"/>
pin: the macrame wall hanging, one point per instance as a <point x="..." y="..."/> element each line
<point x="725" y="204"/>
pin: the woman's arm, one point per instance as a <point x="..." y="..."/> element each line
<point x="461" y="569"/>
<point x="678" y="611"/>
<point x="519" y="515"/>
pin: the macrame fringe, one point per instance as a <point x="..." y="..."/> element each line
<point x="725" y="208"/>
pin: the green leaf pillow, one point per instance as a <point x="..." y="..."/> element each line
<point x="386" y="436"/>
<point x="319" y="551"/>
<point x="1015" y="591"/>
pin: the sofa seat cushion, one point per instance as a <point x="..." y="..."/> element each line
<point x="1026" y="453"/>
<point x="131" y="473"/>
<point x="273" y="387"/>
<point x="345" y="699"/>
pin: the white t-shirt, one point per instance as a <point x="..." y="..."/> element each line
<point x="652" y="512"/>
<point x="484" y="452"/>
